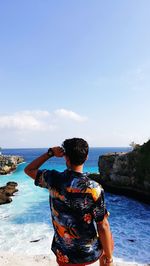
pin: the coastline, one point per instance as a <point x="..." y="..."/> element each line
<point x="19" y="259"/>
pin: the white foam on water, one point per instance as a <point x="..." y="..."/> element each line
<point x="28" y="238"/>
<point x="23" y="220"/>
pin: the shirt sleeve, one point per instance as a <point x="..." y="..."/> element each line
<point x="43" y="178"/>
<point x="99" y="208"/>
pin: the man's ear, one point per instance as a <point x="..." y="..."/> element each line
<point x="67" y="160"/>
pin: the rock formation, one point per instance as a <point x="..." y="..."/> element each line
<point x="127" y="173"/>
<point x="9" y="163"/>
<point x="7" y="191"/>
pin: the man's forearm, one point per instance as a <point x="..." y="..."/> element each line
<point x="33" y="167"/>
<point x="106" y="238"/>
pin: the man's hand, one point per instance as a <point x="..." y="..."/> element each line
<point x="104" y="262"/>
<point x="58" y="151"/>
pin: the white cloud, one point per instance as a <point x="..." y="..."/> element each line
<point x="25" y="120"/>
<point x="63" y="113"/>
<point x="37" y="120"/>
<point x="37" y="128"/>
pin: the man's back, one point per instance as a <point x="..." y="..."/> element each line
<point x="76" y="202"/>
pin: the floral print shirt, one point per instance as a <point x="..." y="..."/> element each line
<point x="76" y="202"/>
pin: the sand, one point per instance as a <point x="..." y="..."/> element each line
<point x="14" y="259"/>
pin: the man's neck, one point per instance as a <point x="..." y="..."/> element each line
<point x="77" y="168"/>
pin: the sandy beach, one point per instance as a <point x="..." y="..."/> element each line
<point x="13" y="259"/>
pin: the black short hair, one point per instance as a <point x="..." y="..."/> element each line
<point x="76" y="149"/>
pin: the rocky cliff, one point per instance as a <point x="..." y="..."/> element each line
<point x="7" y="191"/>
<point x="127" y="173"/>
<point x="9" y="163"/>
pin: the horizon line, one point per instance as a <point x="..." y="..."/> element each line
<point x="11" y="148"/>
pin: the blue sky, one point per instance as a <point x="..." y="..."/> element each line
<point x="74" y="68"/>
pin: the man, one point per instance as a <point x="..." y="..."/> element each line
<point x="76" y="202"/>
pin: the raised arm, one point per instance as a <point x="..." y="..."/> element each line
<point x="106" y="241"/>
<point x="32" y="168"/>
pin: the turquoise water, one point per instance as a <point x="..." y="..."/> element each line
<point x="27" y="218"/>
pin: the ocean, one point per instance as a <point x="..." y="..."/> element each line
<point x="25" y="224"/>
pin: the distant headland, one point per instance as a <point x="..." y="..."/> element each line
<point x="8" y="163"/>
